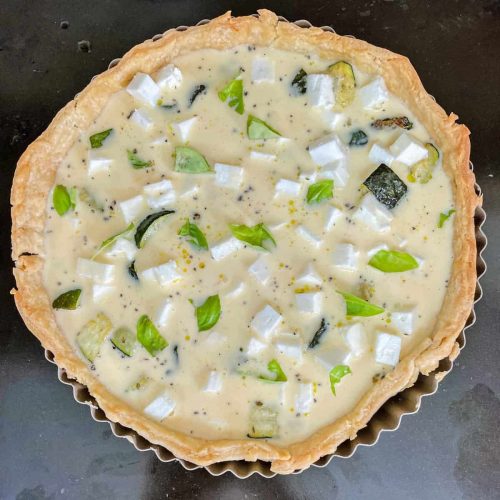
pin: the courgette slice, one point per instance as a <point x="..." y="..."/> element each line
<point x="263" y="422"/>
<point x="125" y="340"/>
<point x="396" y="121"/>
<point x="68" y="300"/>
<point x="299" y="83"/>
<point x="92" y="335"/>
<point x="422" y="171"/>
<point x="148" y="226"/>
<point x="345" y="83"/>
<point x="386" y="186"/>
<point x="358" y="138"/>
<point x="322" y="329"/>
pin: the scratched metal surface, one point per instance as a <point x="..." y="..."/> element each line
<point x="49" y="445"/>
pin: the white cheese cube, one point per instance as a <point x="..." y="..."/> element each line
<point x="96" y="163"/>
<point x="262" y="70"/>
<point x="259" y="155"/>
<point x="387" y="349"/>
<point x="214" y="339"/>
<point x="143" y="88"/>
<point x="160" y="194"/>
<point x="265" y="322"/>
<point x="163" y="314"/>
<point x="309" y="276"/>
<point x="355" y="338"/>
<point x="255" y="347"/>
<point x="260" y="270"/>
<point x="103" y="274"/>
<point x="333" y="214"/>
<point x="228" y="176"/>
<point x="160" y="408"/>
<point x="236" y="291"/>
<point x="403" y="321"/>
<point x="332" y="357"/>
<point x="164" y="274"/>
<point x="304" y="398"/>
<point x="132" y="208"/>
<point x="379" y="155"/>
<point x="183" y="129"/>
<point x="290" y="346"/>
<point x="226" y="248"/>
<point x="345" y="256"/>
<point x="122" y="248"/>
<point x="100" y="292"/>
<point x="337" y="171"/>
<point x="214" y="382"/>
<point x="159" y="140"/>
<point x="331" y="119"/>
<point x="408" y="150"/>
<point x="169" y="77"/>
<point x="141" y="118"/>
<point x="372" y="213"/>
<point x="308" y="302"/>
<point x="283" y="142"/>
<point x="374" y="95"/>
<point x="374" y="250"/>
<point x="320" y="90"/>
<point x="327" y="150"/>
<point x="312" y="239"/>
<point x="285" y="187"/>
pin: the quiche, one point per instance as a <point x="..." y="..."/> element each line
<point x="247" y="236"/>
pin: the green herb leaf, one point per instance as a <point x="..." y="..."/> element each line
<point x="323" y="328"/>
<point x="194" y="235"/>
<point x="92" y="336"/>
<point x="149" y="336"/>
<point x="259" y="129"/>
<point x="64" y="199"/>
<point x="148" y="226"/>
<point x="359" y="307"/>
<point x="391" y="261"/>
<point x="358" y="138"/>
<point x="255" y="235"/>
<point x="96" y="140"/>
<point x="189" y="161"/>
<point x="68" y="300"/>
<point x="111" y="240"/>
<point x="274" y="367"/>
<point x="337" y="373"/>
<point x="125" y="340"/>
<point x="233" y="94"/>
<point x="299" y="82"/>
<point x="321" y="190"/>
<point x="208" y="313"/>
<point x="444" y="216"/>
<point x="136" y="162"/>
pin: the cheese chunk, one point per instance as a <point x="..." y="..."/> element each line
<point x="143" y="88"/>
<point x="345" y="256"/>
<point x="289" y="345"/>
<point x="169" y="77"/>
<point x="132" y="208"/>
<point x="122" y="248"/>
<point x="374" y="95"/>
<point x="255" y="347"/>
<point x="214" y="382"/>
<point x="160" y="408"/>
<point x="160" y="194"/>
<point x="337" y="171"/>
<point x="373" y="214"/>
<point x="403" y="321"/>
<point x="265" y="322"/>
<point x="103" y="274"/>
<point x="260" y="270"/>
<point x="141" y="118"/>
<point x="333" y="215"/>
<point x="312" y="239"/>
<point x="183" y="129"/>
<point x="308" y="302"/>
<point x="164" y="274"/>
<point x="320" y="90"/>
<point x="309" y="276"/>
<point x="96" y="163"/>
<point x="262" y="70"/>
<point x="228" y="176"/>
<point x="408" y="150"/>
<point x="226" y="248"/>
<point x="387" y="349"/>
<point x="304" y="398"/>
<point x="260" y="155"/>
<point x="163" y="314"/>
<point x="100" y="292"/>
<point x="331" y="119"/>
<point x="327" y="150"/>
<point x="331" y="357"/>
<point x="379" y="155"/>
<point x="285" y="187"/>
<point x="236" y="291"/>
<point x="355" y="337"/>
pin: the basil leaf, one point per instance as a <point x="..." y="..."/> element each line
<point x="391" y="261"/>
<point x="199" y="89"/>
<point x="68" y="300"/>
<point x="208" y="313"/>
<point x="189" y="161"/>
<point x="233" y="94"/>
<point x="443" y="217"/>
<point x="255" y="235"/>
<point x="321" y="190"/>
<point x="337" y="373"/>
<point x="96" y="140"/>
<point x="323" y="328"/>
<point x="194" y="235"/>
<point x="359" y="307"/>
<point x="136" y="162"/>
<point x="358" y="138"/>
<point x="132" y="272"/>
<point x="148" y="226"/>
<point x="299" y="82"/>
<point x="109" y="241"/>
<point x="259" y="129"/>
<point x="64" y="199"/>
<point x="149" y="336"/>
<point x="279" y="375"/>
<point x="125" y="340"/>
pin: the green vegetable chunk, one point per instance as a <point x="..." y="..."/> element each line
<point x="132" y="272"/>
<point x="149" y="336"/>
<point x="198" y="90"/>
<point x="299" y="82"/>
<point x="68" y="300"/>
<point x="189" y="161"/>
<point x="136" y="162"/>
<point x="319" y="191"/>
<point x="422" y="171"/>
<point x="208" y="313"/>
<point x="96" y="140"/>
<point x="64" y="199"/>
<point x="323" y="328"/>
<point x="255" y="235"/>
<point x="112" y="239"/>
<point x="396" y="121"/>
<point x="278" y="375"/>
<point x="391" y="261"/>
<point x="259" y="129"/>
<point x="386" y="186"/>
<point x="87" y="198"/>
<point x="194" y="235"/>
<point x="232" y="93"/>
<point x="345" y="88"/>
<point x="337" y="373"/>
<point x="443" y="217"/>
<point x="359" y="307"/>
<point x="92" y="336"/>
<point x="263" y="422"/>
<point x="149" y="226"/>
<point x="125" y="340"/>
<point x="358" y="138"/>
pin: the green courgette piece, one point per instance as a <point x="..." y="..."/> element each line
<point x="199" y="89"/>
<point x="125" y="340"/>
<point x="345" y="87"/>
<point x="386" y="186"/>
<point x="322" y="329"/>
<point x="138" y="384"/>
<point x="132" y="272"/>
<point x="92" y="336"/>
<point x="422" y="171"/>
<point x="68" y="300"/>
<point x="87" y="198"/>
<point x="396" y="121"/>
<point x="299" y="82"/>
<point x="148" y="226"/>
<point x="358" y="138"/>
<point x="263" y="422"/>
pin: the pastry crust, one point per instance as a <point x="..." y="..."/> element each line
<point x="35" y="176"/>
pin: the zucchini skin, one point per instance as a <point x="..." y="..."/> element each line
<point x="386" y="186"/>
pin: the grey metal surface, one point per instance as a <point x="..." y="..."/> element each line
<point x="49" y="445"/>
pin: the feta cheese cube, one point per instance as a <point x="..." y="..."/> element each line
<point x="408" y="150"/>
<point x="320" y="90"/>
<point x="355" y="337"/>
<point x="163" y="274"/>
<point x="160" y="194"/>
<point x="265" y="322"/>
<point x="97" y="163"/>
<point x="214" y="339"/>
<point x="226" y="248"/>
<point x="331" y="357"/>
<point x="374" y="250"/>
<point x="100" y="292"/>
<point x="387" y="349"/>
<point x="262" y="70"/>
<point x="255" y="347"/>
<point x="309" y="276"/>
<point x="104" y="274"/>
<point x="160" y="408"/>
<point x="228" y="176"/>
<point x="372" y="213"/>
<point x="345" y="256"/>
<point x="183" y="129"/>
<point x="169" y="77"/>
<point x="331" y="119"/>
<point x="163" y="314"/>
<point x="312" y="239"/>
<point x="214" y="382"/>
<point x="304" y="398"/>
<point x="333" y="214"/>
<point x="290" y="346"/>
<point x="337" y="171"/>
<point x="143" y="88"/>
<point x="236" y="291"/>
<point x="132" y="208"/>
<point x="327" y="150"/>
<point x="122" y="248"/>
<point x="140" y="117"/>
<point x="285" y="187"/>
<point x="309" y="302"/>
<point x="379" y="154"/>
<point x="259" y="155"/>
<point x="260" y="270"/>
<point x="403" y="321"/>
<point x="374" y="95"/>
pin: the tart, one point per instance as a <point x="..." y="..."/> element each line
<point x="247" y="236"/>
